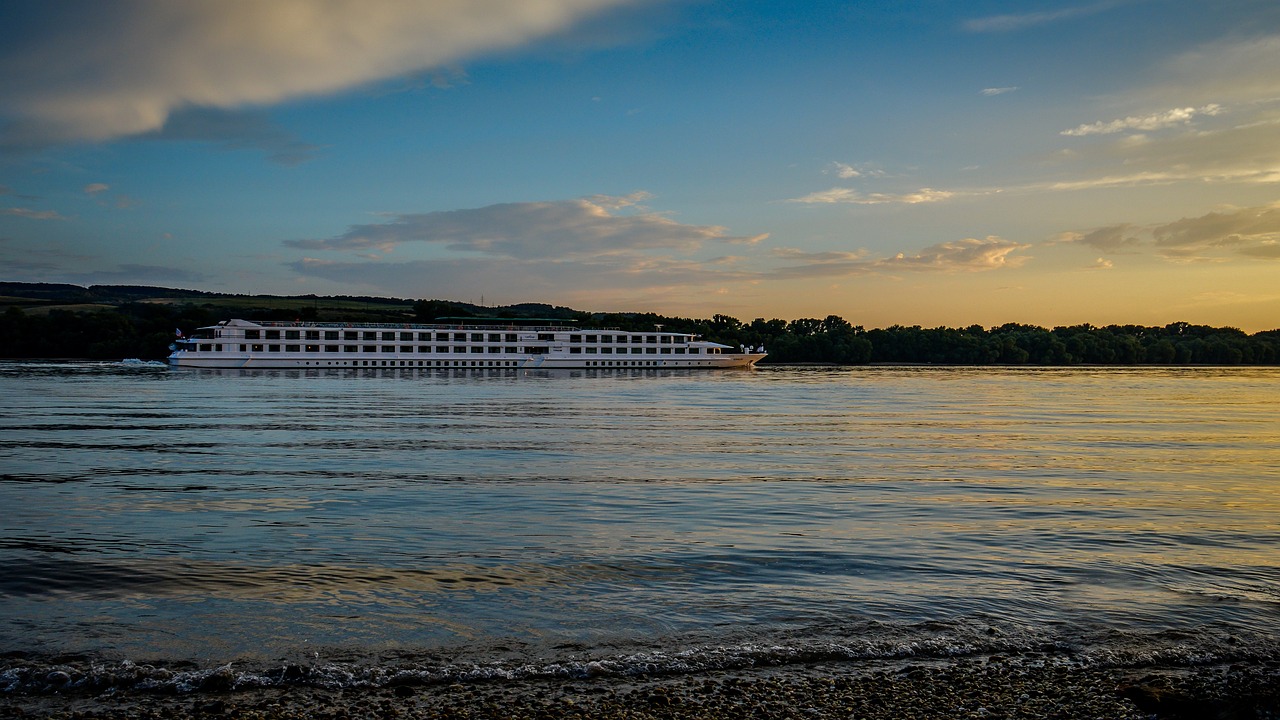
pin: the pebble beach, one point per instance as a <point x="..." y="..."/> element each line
<point x="971" y="688"/>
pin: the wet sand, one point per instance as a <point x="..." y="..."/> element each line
<point x="971" y="688"/>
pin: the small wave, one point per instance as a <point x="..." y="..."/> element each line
<point x="27" y="674"/>
<point x="135" y="362"/>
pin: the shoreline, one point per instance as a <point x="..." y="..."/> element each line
<point x="992" y="687"/>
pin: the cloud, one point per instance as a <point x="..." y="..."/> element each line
<point x="993" y="91"/>
<point x="1101" y="264"/>
<point x="853" y="197"/>
<point x="30" y="214"/>
<point x="238" y="130"/>
<point x="1020" y="21"/>
<point x="967" y="255"/>
<point x="1253" y="232"/>
<point x="1157" y="121"/>
<point x="94" y="71"/>
<point x="95" y="188"/>
<point x="1113" y="238"/>
<point x="1232" y="72"/>
<point x="564" y="229"/>
<point x="130" y="274"/>
<point x="970" y="254"/>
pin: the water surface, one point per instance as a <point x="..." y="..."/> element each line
<point x="635" y="520"/>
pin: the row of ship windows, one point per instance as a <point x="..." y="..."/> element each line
<point x="475" y="363"/>
<point x="457" y="337"/>
<point x="216" y="347"/>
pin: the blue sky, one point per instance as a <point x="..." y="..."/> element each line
<point x="911" y="162"/>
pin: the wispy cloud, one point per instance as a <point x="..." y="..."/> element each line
<point x="1156" y="121"/>
<point x="1020" y="21"/>
<point x="993" y="91"/>
<point x="967" y="255"/>
<point x="30" y="214"/>
<point x="107" y="70"/>
<point x="129" y="273"/>
<point x="566" y="229"/>
<point x="854" y="197"/>
<point x="95" y="188"/>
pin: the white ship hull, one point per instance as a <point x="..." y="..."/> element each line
<point x="239" y="344"/>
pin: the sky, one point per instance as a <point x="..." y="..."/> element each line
<point x="920" y="162"/>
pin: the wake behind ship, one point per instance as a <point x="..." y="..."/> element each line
<point x="466" y="343"/>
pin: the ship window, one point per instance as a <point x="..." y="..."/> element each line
<point x="406" y="337"/>
<point x="292" y="348"/>
<point x="388" y="348"/>
<point x="537" y="350"/>
<point x="370" y="348"/>
<point x="406" y="348"/>
<point x="477" y="337"/>
<point x="637" y="351"/>
<point x="313" y="348"/>
<point x="679" y="351"/>
<point x="606" y="350"/>
<point x="313" y="334"/>
<point x="548" y="337"/>
<point x="666" y="339"/>
<point x="291" y="335"/>
<point x="459" y="337"/>
<point x="257" y="348"/>
<point x="477" y="349"/>
<point x="575" y="338"/>
<point x="350" y="348"/>
<point x="592" y="338"/>
<point x="665" y="351"/>
<point x="651" y="351"/>
<point x="495" y="337"/>
<point x="206" y="347"/>
<point x="652" y="339"/>
<point x="243" y="348"/>
<point x="370" y="335"/>
<point x="330" y="334"/>
<point x="511" y="350"/>
<point x="252" y="334"/>
<point x="591" y="351"/>
<point x="694" y="351"/>
<point x="459" y="349"/>
<point x="442" y="348"/>
<point x="350" y="335"/>
<point x="442" y="337"/>
<point x="273" y="348"/>
<point x="331" y="348"/>
<point x="575" y="350"/>
<point x="388" y="335"/>
<point x="424" y="348"/>
<point x="606" y="338"/>
<point x="272" y="335"/>
<point x="510" y="337"/>
<point x="424" y="337"/>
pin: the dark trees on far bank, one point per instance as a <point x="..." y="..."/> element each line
<point x="145" y="330"/>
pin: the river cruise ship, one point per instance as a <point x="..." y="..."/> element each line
<point x="467" y="343"/>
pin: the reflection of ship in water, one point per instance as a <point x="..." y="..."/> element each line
<point x="467" y="344"/>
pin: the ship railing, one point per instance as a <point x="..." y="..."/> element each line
<point x="428" y="326"/>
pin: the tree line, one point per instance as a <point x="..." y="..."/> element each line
<point x="145" y="330"/>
